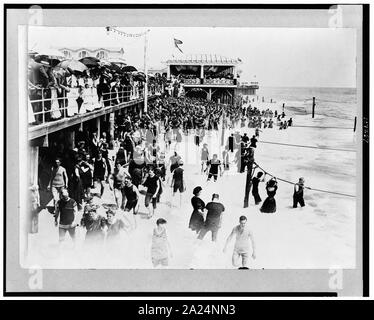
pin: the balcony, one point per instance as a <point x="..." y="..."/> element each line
<point x="48" y="114"/>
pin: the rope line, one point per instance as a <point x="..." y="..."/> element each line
<point x="319" y="190"/>
<point x="320" y="127"/>
<point x="302" y="146"/>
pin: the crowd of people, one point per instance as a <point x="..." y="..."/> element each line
<point x="80" y="176"/>
<point x="57" y="89"/>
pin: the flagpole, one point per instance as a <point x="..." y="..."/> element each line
<point x="146" y="72"/>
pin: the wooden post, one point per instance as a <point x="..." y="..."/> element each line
<point x="71" y="139"/>
<point x="111" y="129"/>
<point x="248" y="185"/>
<point x="355" y="125"/>
<point x="314" y="106"/>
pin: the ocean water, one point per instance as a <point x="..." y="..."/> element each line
<point x="338" y="103"/>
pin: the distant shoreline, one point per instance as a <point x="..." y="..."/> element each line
<point x="303" y="87"/>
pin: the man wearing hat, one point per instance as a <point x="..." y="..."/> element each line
<point x="298" y="195"/>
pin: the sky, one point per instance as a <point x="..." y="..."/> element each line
<point x="279" y="57"/>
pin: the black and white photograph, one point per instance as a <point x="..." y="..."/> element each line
<point x="203" y="147"/>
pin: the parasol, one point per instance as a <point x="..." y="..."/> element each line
<point x="90" y="61"/>
<point x="73" y="65"/>
<point x="129" y="69"/>
<point x="139" y="76"/>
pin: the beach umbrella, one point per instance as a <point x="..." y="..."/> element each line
<point x="54" y="62"/>
<point x="73" y="65"/>
<point x="129" y="69"/>
<point x="90" y="61"/>
<point x="113" y="67"/>
<point x="139" y="76"/>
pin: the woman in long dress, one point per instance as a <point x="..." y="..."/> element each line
<point x="75" y="187"/>
<point x="197" y="216"/>
<point x="55" y="107"/>
<point x="269" y="205"/>
<point x="72" y="96"/>
<point x="86" y="105"/>
<point x="95" y="97"/>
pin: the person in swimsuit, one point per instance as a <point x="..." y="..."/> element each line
<point x="132" y="194"/>
<point x="153" y="185"/>
<point x="204" y="157"/>
<point x="177" y="182"/>
<point x="59" y="180"/>
<point x="241" y="249"/>
<point x="118" y="179"/>
<point x="213" y="166"/>
<point x="114" y="226"/>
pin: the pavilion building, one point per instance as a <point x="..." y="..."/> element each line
<point x="208" y="76"/>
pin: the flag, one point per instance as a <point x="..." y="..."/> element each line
<point x="176" y="42"/>
<point x="240" y="60"/>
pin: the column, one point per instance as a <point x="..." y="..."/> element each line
<point x="98" y="126"/>
<point x="168" y="72"/>
<point x="210" y="94"/>
<point x="202" y="72"/>
<point x="34" y="159"/>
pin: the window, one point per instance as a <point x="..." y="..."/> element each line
<point x="83" y="54"/>
<point x="67" y="54"/>
<point x="101" y="55"/>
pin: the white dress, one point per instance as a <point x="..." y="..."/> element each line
<point x="95" y="99"/>
<point x="87" y="102"/>
<point x="72" y="97"/>
<point x="55" y="108"/>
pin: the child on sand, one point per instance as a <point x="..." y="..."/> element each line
<point x="161" y="249"/>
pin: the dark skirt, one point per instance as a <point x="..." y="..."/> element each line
<point x="196" y="221"/>
<point x="174" y="166"/>
<point x="269" y="205"/>
<point x="76" y="190"/>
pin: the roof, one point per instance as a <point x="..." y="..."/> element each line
<point x="111" y="49"/>
<point x="203" y="58"/>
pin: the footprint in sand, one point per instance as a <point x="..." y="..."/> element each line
<point x="312" y="204"/>
<point x="320" y="212"/>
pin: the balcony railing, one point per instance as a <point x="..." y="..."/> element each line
<point x="219" y="81"/>
<point x="48" y="108"/>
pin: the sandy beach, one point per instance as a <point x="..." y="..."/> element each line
<point x="320" y="235"/>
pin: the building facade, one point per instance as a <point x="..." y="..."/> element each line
<point x="115" y="54"/>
